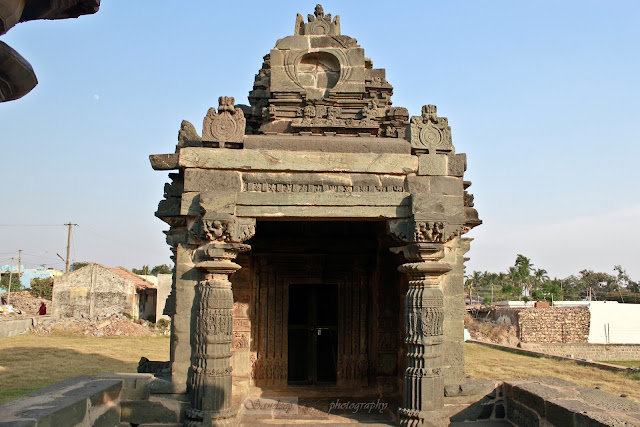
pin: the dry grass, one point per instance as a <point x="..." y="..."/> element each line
<point x="623" y="362"/>
<point x="29" y="362"/>
<point x="488" y="363"/>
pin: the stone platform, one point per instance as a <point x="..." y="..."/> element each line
<point x="111" y="400"/>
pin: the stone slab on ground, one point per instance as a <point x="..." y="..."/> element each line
<point x="536" y="401"/>
<point x="81" y="400"/>
<point x="15" y="325"/>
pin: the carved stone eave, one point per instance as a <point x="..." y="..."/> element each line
<point x="164" y="162"/>
<point x="58" y="9"/>
<point x="17" y="77"/>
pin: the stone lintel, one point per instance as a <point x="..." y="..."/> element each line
<point x="333" y="144"/>
<point x="323" y="199"/>
<point x="164" y="162"/>
<point x="334" y="205"/>
<point x="302" y="161"/>
<point x="335" y="212"/>
<point x="219" y="202"/>
<point x="211" y="180"/>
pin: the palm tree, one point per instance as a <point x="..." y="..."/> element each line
<point x="524" y="266"/>
<point x="493" y="278"/>
<point x="473" y="280"/>
<point x="540" y="275"/>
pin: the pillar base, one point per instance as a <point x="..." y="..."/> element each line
<point x="197" y="418"/>
<point x="413" y="417"/>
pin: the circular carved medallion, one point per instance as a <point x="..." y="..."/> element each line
<point x="430" y="135"/>
<point x="223" y="127"/>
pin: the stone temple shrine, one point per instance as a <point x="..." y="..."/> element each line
<point x="318" y="239"/>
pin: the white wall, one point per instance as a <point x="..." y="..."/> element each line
<point x="623" y="321"/>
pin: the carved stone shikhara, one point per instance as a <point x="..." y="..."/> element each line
<point x="330" y="184"/>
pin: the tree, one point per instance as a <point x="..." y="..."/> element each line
<point x="15" y="282"/>
<point x="624" y="280"/>
<point x="523" y="267"/>
<point x="42" y="288"/>
<point x="600" y="283"/>
<point x="78" y="265"/>
<point x="158" y="269"/>
<point x="144" y="271"/>
<point x="161" y="269"/>
<point x="473" y="280"/>
<point x="540" y="275"/>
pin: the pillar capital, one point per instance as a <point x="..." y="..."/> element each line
<point x="421" y="251"/>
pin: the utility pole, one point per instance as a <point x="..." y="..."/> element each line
<point x="66" y="264"/>
<point x="9" y="286"/>
<point x="491" y="293"/>
<point x="19" y="264"/>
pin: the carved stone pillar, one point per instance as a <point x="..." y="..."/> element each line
<point x="423" y="320"/>
<point x="210" y="373"/>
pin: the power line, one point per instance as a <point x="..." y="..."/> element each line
<point x="32" y="225"/>
<point x="124" y="244"/>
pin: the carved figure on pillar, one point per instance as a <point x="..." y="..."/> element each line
<point x="210" y="376"/>
<point x="423" y="318"/>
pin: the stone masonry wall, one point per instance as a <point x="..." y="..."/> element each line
<point x="601" y="352"/>
<point x="554" y="325"/>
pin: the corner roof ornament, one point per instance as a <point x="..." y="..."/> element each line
<point x="319" y="24"/>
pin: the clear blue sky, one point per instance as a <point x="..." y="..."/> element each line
<point x="542" y="96"/>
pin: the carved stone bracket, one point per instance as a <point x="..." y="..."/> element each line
<point x="227" y="125"/>
<point x="409" y="230"/>
<point x="423" y="322"/>
<point x="430" y="133"/>
<point x="223" y="228"/>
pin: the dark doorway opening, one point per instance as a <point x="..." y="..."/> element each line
<point x="313" y="337"/>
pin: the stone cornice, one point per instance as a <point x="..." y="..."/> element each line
<point x="296" y="161"/>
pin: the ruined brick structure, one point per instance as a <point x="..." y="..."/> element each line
<point x="342" y="218"/>
<point x="554" y="325"/>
